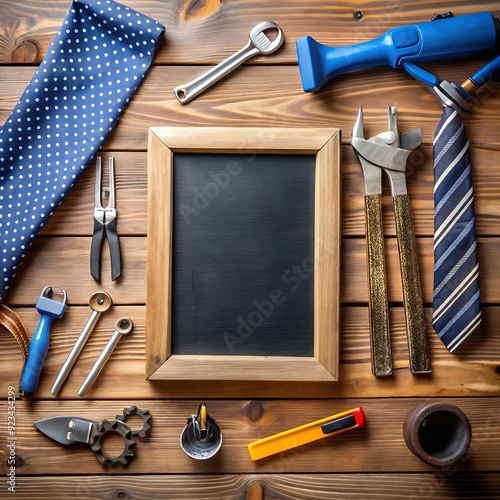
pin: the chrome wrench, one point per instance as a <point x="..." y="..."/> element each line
<point x="258" y="43"/>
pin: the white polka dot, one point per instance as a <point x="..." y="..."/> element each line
<point x="64" y="62"/>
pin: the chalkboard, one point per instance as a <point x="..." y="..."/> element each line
<point x="243" y="258"/>
<point x="243" y="255"/>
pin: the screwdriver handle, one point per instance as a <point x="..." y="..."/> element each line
<point x="38" y="348"/>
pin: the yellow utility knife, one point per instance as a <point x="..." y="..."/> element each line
<point x="307" y="433"/>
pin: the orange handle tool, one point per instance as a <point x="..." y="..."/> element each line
<point x="307" y="433"/>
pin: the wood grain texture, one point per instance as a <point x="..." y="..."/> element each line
<point x="240" y="424"/>
<point x="240" y="100"/>
<point x="472" y="372"/>
<point x="43" y="262"/>
<point x="195" y="29"/>
<point x="266" y="92"/>
<point x="74" y="216"/>
<point x="441" y="485"/>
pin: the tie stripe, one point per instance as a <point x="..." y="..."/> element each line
<point x="455" y="186"/>
<point x="452" y="141"/>
<point x="455" y="295"/>
<point x="456" y="298"/>
<point x="450" y="167"/>
<point x="458" y="339"/>
<point x="456" y="244"/>
<point x="453" y="219"/>
<point x="445" y="121"/>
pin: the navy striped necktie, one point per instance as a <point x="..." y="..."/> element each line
<point x="93" y="66"/>
<point x="456" y="305"/>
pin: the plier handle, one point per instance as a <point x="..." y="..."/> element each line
<point x="105" y="225"/>
<point x="388" y="152"/>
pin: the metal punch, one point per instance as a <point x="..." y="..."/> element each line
<point x="122" y="327"/>
<point x="99" y="302"/>
<point x="258" y="43"/>
<point x="388" y="152"/>
<point x="105" y="225"/>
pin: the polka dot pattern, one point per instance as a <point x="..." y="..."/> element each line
<point x="93" y="66"/>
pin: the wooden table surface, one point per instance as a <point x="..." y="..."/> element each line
<point x="372" y="462"/>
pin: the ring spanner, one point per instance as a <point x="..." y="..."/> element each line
<point x="99" y="302"/>
<point x="49" y="310"/>
<point x="258" y="43"/>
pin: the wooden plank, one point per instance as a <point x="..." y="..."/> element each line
<point x="273" y="96"/>
<point x="355" y="288"/>
<point x="419" y="179"/>
<point x="44" y="260"/>
<point x="191" y="25"/>
<point x="473" y="371"/>
<point x="377" y="447"/>
<point x="68" y="259"/>
<point x="74" y="216"/>
<point x="266" y="92"/>
<point x="440" y="485"/>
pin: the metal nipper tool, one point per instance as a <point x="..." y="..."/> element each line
<point x="69" y="430"/>
<point x="258" y="43"/>
<point x="389" y="152"/>
<point x="105" y="225"/>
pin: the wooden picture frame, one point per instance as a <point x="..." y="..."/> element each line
<point x="324" y="144"/>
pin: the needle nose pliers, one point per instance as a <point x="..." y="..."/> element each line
<point x="105" y="225"/>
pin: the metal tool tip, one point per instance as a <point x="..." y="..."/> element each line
<point x="357" y="130"/>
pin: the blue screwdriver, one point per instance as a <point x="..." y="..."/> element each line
<point x="49" y="309"/>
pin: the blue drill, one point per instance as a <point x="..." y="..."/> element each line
<point x="443" y="38"/>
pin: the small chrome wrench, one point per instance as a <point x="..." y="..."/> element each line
<point x="258" y="43"/>
<point x="122" y="327"/>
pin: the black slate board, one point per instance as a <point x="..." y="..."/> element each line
<point x="243" y="247"/>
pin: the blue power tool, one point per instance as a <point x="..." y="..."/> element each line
<point x="49" y="310"/>
<point x="443" y="38"/>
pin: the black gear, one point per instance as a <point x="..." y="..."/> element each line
<point x="124" y="432"/>
<point x="144" y="414"/>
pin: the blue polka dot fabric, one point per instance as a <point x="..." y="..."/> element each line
<point x="93" y="66"/>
